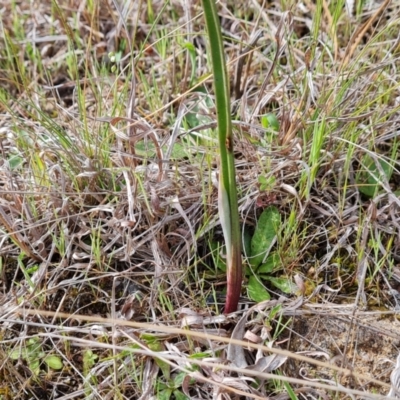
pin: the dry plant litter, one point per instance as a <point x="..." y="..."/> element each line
<point x="111" y="251"/>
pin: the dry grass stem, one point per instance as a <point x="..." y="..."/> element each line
<point x="111" y="251"/>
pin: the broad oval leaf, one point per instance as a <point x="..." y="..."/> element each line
<point x="53" y="362"/>
<point x="256" y="290"/>
<point x="264" y="235"/>
<point x="368" y="181"/>
<point x="270" y="264"/>
<point x="283" y="284"/>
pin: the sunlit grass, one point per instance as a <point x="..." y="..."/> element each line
<point x="119" y="218"/>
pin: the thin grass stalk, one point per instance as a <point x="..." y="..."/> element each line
<point x="227" y="196"/>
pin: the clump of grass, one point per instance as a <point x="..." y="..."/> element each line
<point x="112" y="255"/>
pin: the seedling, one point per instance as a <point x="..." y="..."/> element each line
<point x="33" y="354"/>
<point x="169" y="387"/>
<point x="270" y="121"/>
<point x="171" y="390"/>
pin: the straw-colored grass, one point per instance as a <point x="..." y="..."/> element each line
<point x="111" y="249"/>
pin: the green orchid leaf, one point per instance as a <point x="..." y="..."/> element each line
<point x="283" y="284"/>
<point x="270" y="264"/>
<point x="264" y="235"/>
<point x="368" y="181"/>
<point x="164" y="366"/>
<point x="256" y="290"/>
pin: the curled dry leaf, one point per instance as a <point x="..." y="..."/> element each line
<point x="98" y="330"/>
<point x="252" y="337"/>
<point x="191" y="320"/>
<point x="300" y="283"/>
<point x="235" y="353"/>
<point x="190" y="317"/>
<point x="291" y="190"/>
<point x="268" y="364"/>
<point x="238" y="383"/>
<point x="149" y="376"/>
<point x="133" y="306"/>
<point x="186" y="311"/>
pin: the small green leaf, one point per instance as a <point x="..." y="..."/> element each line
<point x="148" y="338"/>
<point x="266" y="183"/>
<point x="269" y="265"/>
<point x="368" y="181"/>
<point x="196" y="117"/>
<point x="270" y="121"/>
<point x="283" y="284"/>
<point x="34" y="366"/>
<point x="264" y="235"/>
<point x="53" y="362"/>
<point x="191" y="120"/>
<point x="274" y="311"/>
<point x="32" y="270"/>
<point x="89" y="359"/>
<point x="262" y="180"/>
<point x="33" y="349"/>
<point x="146" y="150"/>
<point x="190" y="47"/>
<point x="164" y="366"/>
<point x="179" y="395"/>
<point x="165" y="394"/>
<point x="199" y="355"/>
<point x="118" y="56"/>
<point x="192" y="53"/>
<point x="15" y="354"/>
<point x="15" y="162"/>
<point x="161" y="386"/>
<point x="256" y="290"/>
<point x="178" y="379"/>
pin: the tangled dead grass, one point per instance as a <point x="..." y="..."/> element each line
<point x="108" y="202"/>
